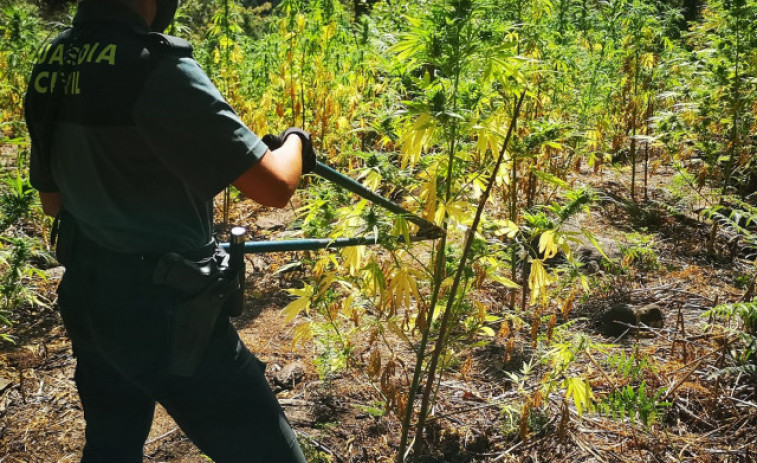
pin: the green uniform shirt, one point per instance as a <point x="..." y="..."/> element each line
<point x="142" y="140"/>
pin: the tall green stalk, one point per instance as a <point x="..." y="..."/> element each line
<point x="439" y="274"/>
<point x="226" y="33"/>
<point x="471" y="234"/>
<point x="453" y="62"/>
<point x="634" y="104"/>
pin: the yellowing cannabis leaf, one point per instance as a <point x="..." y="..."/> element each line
<point x="353" y="257"/>
<point x="299" y="304"/>
<point x="538" y="280"/>
<point x="547" y="244"/>
<point x="415" y="139"/>
<point x="580" y="391"/>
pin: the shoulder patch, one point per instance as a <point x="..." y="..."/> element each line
<point x="169" y="43"/>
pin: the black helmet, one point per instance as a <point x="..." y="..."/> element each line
<point x="164" y="15"/>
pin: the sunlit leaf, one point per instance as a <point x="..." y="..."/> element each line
<point x="579" y="390"/>
<point x="539" y="280"/>
<point x="547" y="244"/>
<point x="301" y="334"/>
<point x="353" y="257"/>
<point x="549" y="178"/>
<point x="487" y="331"/>
<point x="302" y="303"/>
<point x="506" y="282"/>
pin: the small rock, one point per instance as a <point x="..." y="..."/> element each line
<point x="4" y="383"/>
<point x="616" y="319"/>
<point x="650" y="315"/>
<point x="55" y="273"/>
<point x="275" y="220"/>
<point x="290" y="375"/>
<point x="591" y="259"/>
<point x="590" y="253"/>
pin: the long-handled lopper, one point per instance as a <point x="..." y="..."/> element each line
<point x="238" y="247"/>
<point x="427" y="230"/>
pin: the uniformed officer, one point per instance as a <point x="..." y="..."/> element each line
<point x="132" y="140"/>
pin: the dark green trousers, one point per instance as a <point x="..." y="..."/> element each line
<point x="120" y="326"/>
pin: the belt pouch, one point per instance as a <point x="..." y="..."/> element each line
<point x="205" y="289"/>
<point x="193" y="323"/>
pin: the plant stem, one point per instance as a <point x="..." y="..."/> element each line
<point x="650" y="111"/>
<point x="634" y="103"/>
<point x="456" y="282"/>
<point x="514" y="219"/>
<point x="439" y="274"/>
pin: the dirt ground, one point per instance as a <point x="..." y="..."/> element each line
<point x="709" y="419"/>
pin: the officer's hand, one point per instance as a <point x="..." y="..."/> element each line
<point x="273" y="142"/>
<point x="308" y="153"/>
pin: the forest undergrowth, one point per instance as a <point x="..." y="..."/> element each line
<point x="592" y="166"/>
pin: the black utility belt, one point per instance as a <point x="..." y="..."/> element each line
<point x="211" y="279"/>
<point x="68" y="240"/>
